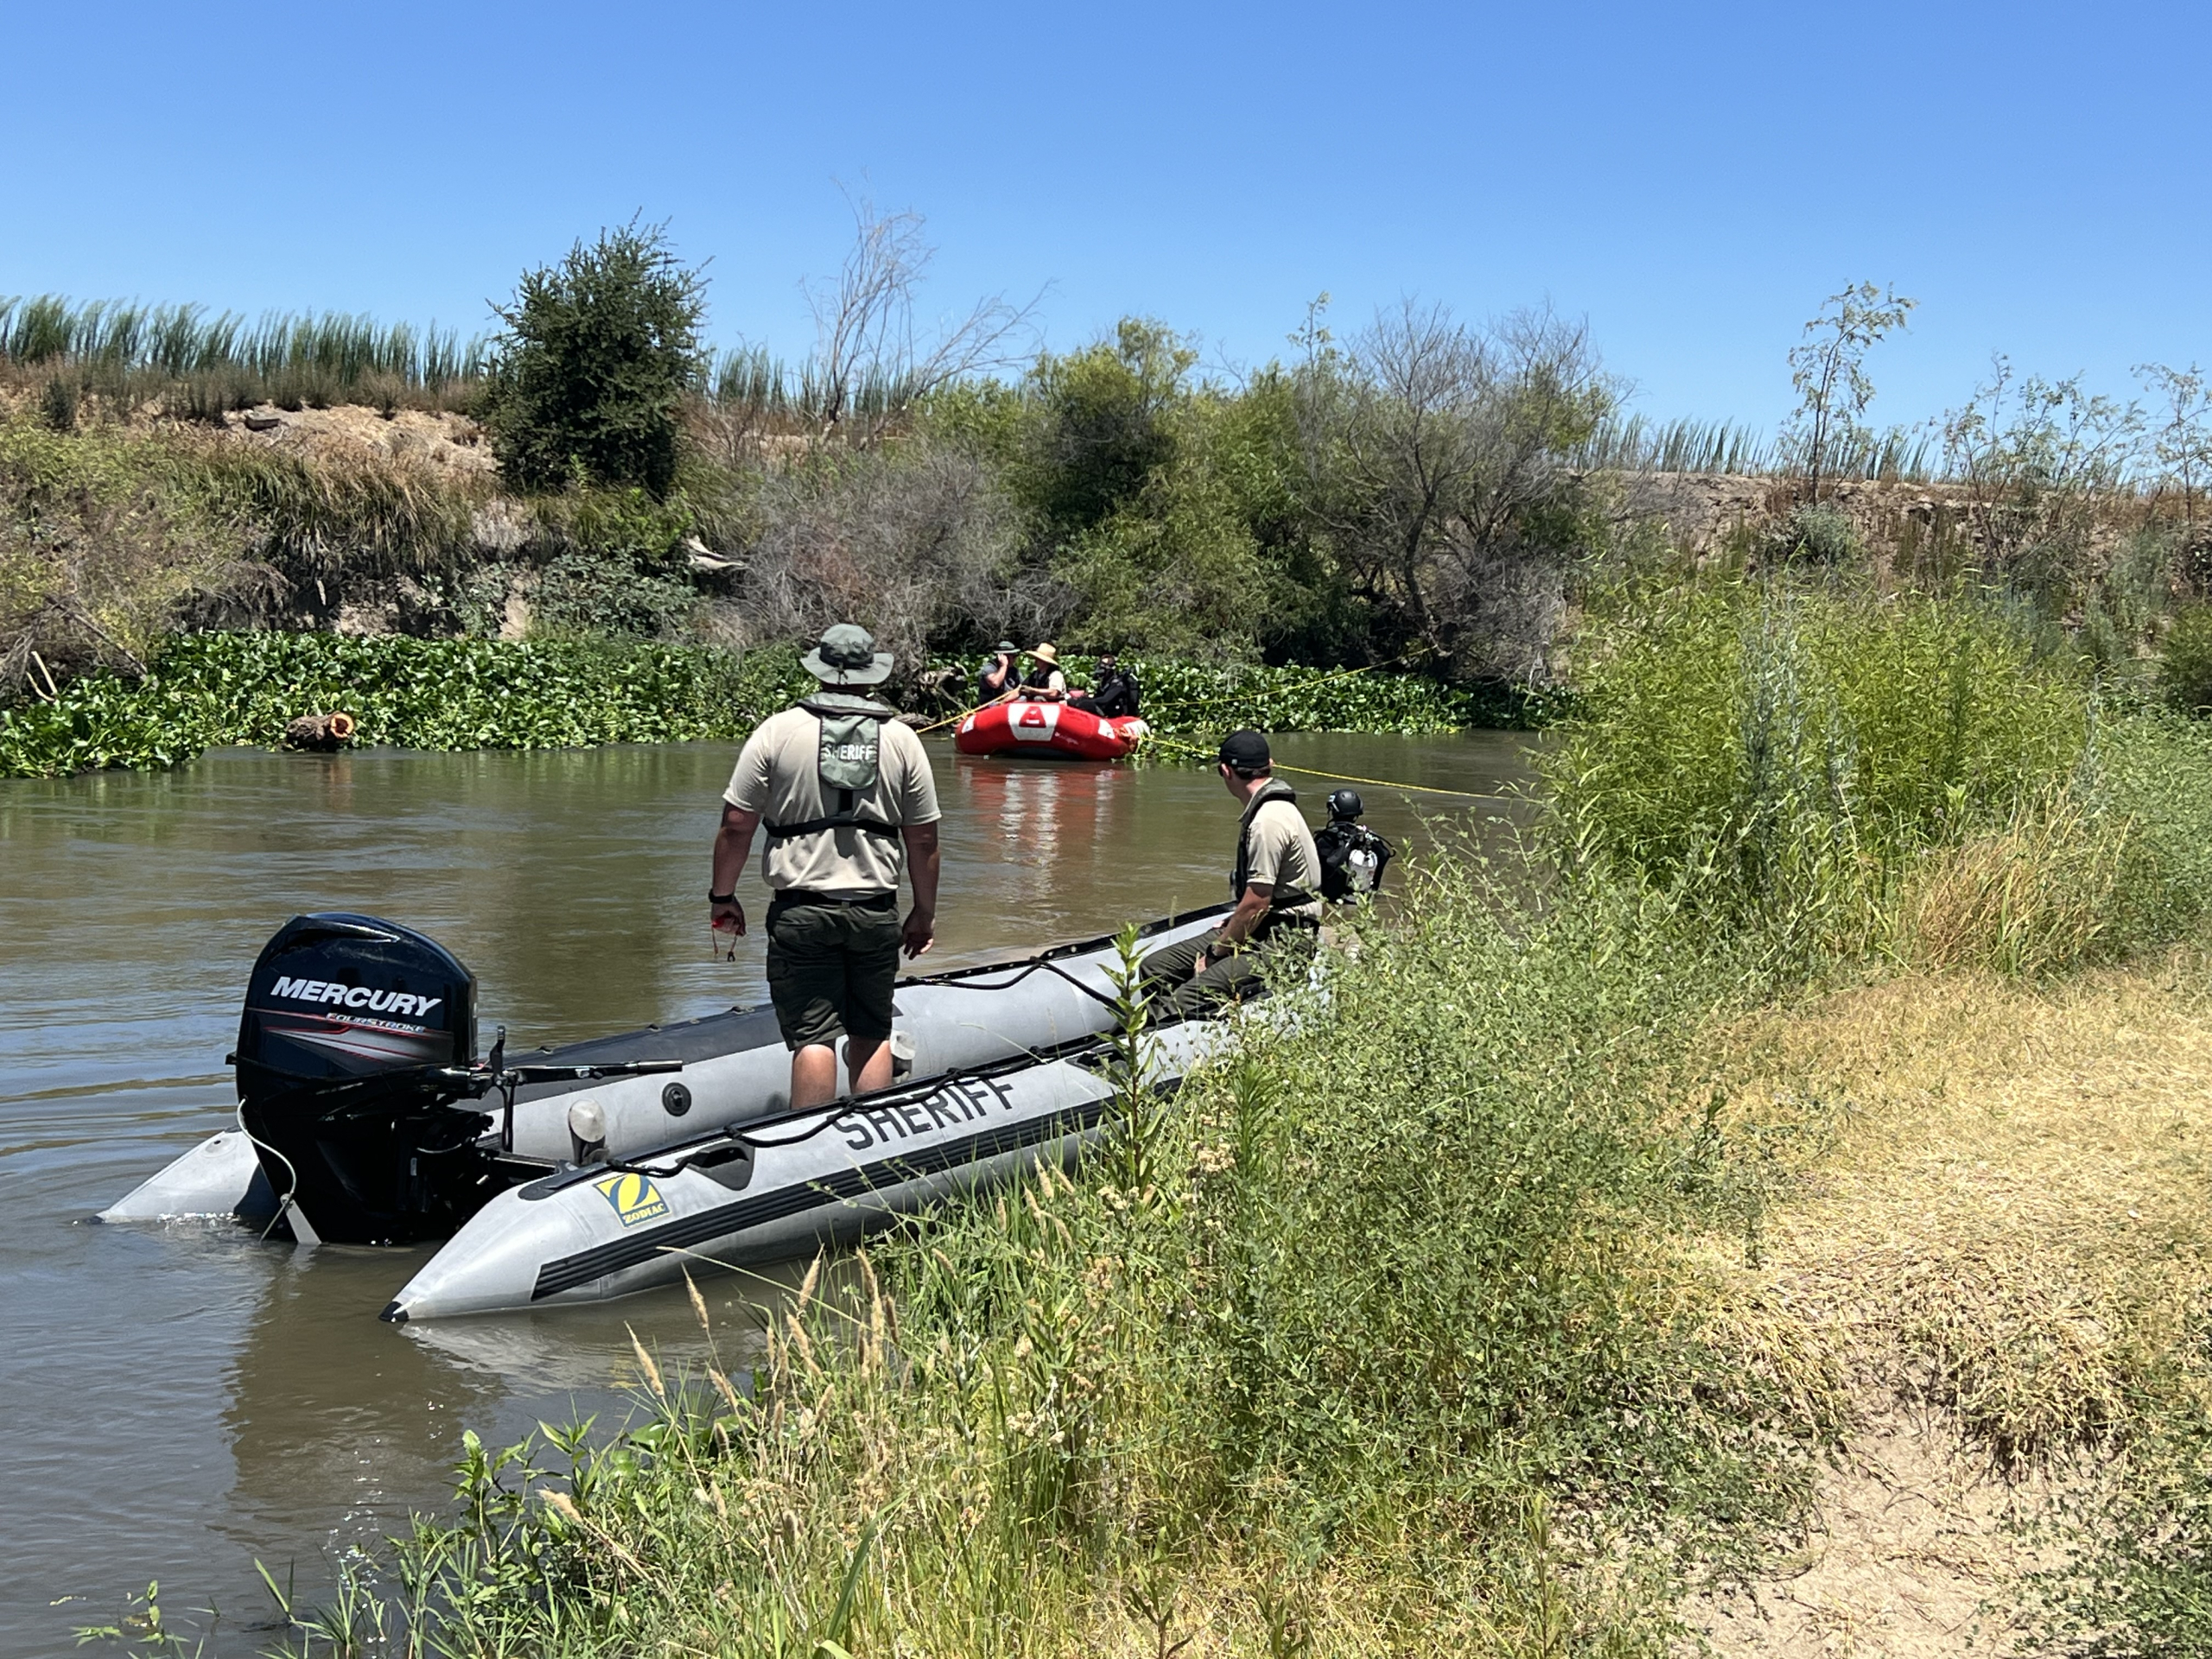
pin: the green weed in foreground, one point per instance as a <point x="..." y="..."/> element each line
<point x="212" y="689"/>
<point x="2185" y="673"/>
<point x="1359" y="1345"/>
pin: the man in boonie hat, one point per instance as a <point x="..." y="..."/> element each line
<point x="1044" y="683"/>
<point x="1000" y="676"/>
<point x="846" y="796"/>
<point x="1276" y="882"/>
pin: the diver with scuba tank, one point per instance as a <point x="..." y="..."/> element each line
<point x="1352" y="855"/>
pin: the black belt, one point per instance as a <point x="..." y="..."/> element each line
<point x="850" y="901"/>
<point x="815" y="826"/>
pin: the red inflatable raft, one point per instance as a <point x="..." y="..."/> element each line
<point x="1047" y="729"/>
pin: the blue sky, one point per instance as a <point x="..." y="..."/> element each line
<point x="1691" y="179"/>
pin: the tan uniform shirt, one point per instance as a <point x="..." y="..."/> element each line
<point x="1283" y="854"/>
<point x="778" y="776"/>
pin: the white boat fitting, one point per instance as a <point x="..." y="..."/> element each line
<point x="366" y="1117"/>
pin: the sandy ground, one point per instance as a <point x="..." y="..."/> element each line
<point x="2003" y="1220"/>
<point x="441" y="439"/>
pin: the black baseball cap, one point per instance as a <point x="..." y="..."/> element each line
<point x="1247" y="751"/>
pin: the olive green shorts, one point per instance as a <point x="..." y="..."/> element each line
<point x="831" y="969"/>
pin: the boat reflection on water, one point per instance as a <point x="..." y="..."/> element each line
<point x="338" y="1424"/>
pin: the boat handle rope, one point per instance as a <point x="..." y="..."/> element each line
<point x="830" y="1113"/>
<point x="284" y="1204"/>
<point x="1023" y="973"/>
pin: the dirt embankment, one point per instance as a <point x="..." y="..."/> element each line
<point x="1703" y="511"/>
<point x="439" y="439"/>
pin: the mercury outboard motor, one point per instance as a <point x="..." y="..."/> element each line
<point x="354" y="1058"/>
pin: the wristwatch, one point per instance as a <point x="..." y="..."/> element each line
<point x="729" y="898"/>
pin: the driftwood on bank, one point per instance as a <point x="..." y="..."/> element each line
<point x="332" y="731"/>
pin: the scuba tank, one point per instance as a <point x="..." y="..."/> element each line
<point x="1352" y="855"/>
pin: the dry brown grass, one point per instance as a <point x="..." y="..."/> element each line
<point x="1992" y="1250"/>
<point x="2032" y="898"/>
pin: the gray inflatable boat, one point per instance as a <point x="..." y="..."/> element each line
<point x="599" y="1168"/>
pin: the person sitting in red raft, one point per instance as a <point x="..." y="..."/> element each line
<point x="1043" y="684"/>
<point x="1041" y="717"/>
<point x="1115" y="696"/>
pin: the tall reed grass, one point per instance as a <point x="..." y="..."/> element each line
<point x="194" y="361"/>
<point x="1641" y="445"/>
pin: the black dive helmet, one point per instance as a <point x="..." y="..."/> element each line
<point x="1345" y="805"/>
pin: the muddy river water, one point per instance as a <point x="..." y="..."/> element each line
<point x="184" y="1400"/>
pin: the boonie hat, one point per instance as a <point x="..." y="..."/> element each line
<point x="1009" y="647"/>
<point x="1247" y="750"/>
<point x="1047" y="655"/>
<point x="847" y="656"/>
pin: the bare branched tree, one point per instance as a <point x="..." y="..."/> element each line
<point x="2182" y="442"/>
<point x="1438" y="455"/>
<point x="2042" y="461"/>
<point x="1828" y="368"/>
<point x="871" y="364"/>
<point x="921" y="546"/>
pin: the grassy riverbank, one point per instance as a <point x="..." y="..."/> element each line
<point x="208" y="689"/>
<point x="1841" y="1072"/>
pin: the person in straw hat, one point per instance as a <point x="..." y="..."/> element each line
<point x="1044" y="683"/>
<point x="847" y="799"/>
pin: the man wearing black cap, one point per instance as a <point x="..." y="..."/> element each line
<point x="1276" y="880"/>
<point x="842" y="788"/>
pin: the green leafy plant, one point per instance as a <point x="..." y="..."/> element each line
<point x="1779" y="757"/>
<point x="2185" y="667"/>
<point x="425" y="693"/>
<point x="595" y="356"/>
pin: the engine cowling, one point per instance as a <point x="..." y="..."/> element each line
<point x="349" y="1023"/>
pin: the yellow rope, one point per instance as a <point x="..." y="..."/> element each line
<point x="924" y="731"/>
<point x="1340" y="776"/>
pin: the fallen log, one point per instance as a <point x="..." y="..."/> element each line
<point x="324" y="732"/>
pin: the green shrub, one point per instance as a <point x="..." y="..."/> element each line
<point x="2185" y="671"/>
<point x="597" y="353"/>
<point x="1814" y="533"/>
<point x="1779" y="756"/>
<point x="592" y="594"/>
<point x="2154" y="775"/>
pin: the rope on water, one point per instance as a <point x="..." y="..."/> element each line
<point x="1342" y="777"/>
